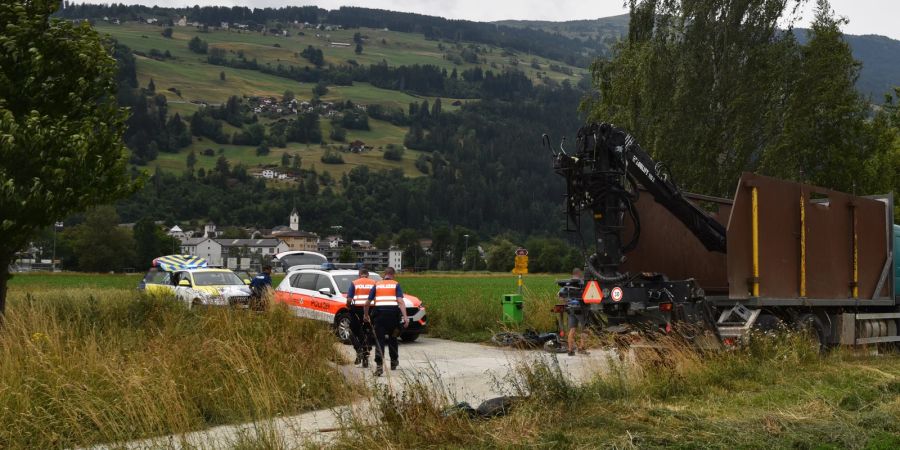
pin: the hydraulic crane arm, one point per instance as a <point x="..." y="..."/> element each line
<point x="602" y="176"/>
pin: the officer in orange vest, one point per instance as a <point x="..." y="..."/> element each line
<point x="357" y="296"/>
<point x="389" y="308"/>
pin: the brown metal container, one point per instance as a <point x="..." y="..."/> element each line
<point x="811" y="242"/>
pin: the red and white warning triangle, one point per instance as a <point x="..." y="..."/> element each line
<point x="592" y="292"/>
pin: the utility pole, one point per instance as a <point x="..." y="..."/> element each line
<point x="466" y="254"/>
<point x="53" y="257"/>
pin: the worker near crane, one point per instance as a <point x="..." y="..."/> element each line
<point x="387" y="316"/>
<point x="357" y="297"/>
<point x="577" y="313"/>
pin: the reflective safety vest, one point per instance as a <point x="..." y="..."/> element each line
<point x="361" y="289"/>
<point x="386" y="293"/>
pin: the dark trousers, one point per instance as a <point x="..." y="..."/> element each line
<point x="386" y="320"/>
<point x="360" y="332"/>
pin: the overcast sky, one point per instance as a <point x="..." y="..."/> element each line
<point x="866" y="16"/>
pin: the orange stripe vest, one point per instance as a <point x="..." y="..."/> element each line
<point x="361" y="289"/>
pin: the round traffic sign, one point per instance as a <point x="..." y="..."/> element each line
<point x="616" y="294"/>
<point x="521" y="252"/>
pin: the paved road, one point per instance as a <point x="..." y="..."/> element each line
<point x="467" y="372"/>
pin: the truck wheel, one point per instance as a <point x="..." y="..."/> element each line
<point x="342" y="327"/>
<point x="813" y="326"/>
<point x="409" y="337"/>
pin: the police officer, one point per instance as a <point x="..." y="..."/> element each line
<point x="357" y="297"/>
<point x="389" y="308"/>
<point x="260" y="286"/>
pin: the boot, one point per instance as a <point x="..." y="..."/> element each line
<point x="394" y="364"/>
<point x="358" y="360"/>
<point x="379" y="371"/>
<point x="365" y="363"/>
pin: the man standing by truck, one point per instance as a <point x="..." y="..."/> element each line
<point x="389" y="308"/>
<point x="577" y="313"/>
<point x="357" y="297"/>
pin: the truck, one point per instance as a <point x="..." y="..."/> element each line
<point x="779" y="253"/>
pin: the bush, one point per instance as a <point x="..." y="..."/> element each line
<point x="332" y="157"/>
<point x="198" y="45"/>
<point x="338" y="134"/>
<point x="393" y="153"/>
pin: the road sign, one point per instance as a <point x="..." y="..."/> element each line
<point x="616" y="294"/>
<point x="521" y="265"/>
<point x="592" y="292"/>
<point x="521" y="252"/>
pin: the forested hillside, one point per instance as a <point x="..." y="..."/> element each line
<point x="382" y="121"/>
<point x="879" y="55"/>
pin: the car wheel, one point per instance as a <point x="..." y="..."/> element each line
<point x="409" y="337"/>
<point x="342" y="327"/>
<point x="196" y="303"/>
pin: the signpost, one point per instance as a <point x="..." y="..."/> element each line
<point x="521" y="267"/>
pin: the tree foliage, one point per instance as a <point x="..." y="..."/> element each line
<point x="61" y="147"/>
<point x="714" y="88"/>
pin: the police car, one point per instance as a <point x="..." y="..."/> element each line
<point x="199" y="287"/>
<point x="320" y="294"/>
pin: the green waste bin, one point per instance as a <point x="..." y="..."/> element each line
<point x="512" y="309"/>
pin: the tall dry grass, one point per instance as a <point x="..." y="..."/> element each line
<point x="80" y="367"/>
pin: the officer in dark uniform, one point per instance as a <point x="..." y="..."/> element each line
<point x="357" y="297"/>
<point x="388" y="315"/>
<point x="260" y="286"/>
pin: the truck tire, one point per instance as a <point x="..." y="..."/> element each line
<point x="813" y="325"/>
<point x="342" y="327"/>
<point x="409" y="337"/>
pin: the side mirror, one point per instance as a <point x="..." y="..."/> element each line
<point x="184" y="283"/>
<point x="325" y="291"/>
<point x="246" y="281"/>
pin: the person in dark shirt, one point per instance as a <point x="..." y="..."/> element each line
<point x="260" y="286"/>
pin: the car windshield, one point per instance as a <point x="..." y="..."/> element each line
<point x="343" y="281"/>
<point x="216" y="279"/>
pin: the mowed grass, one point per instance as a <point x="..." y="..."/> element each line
<point x="86" y="366"/>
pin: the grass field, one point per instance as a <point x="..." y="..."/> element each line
<point x="775" y="393"/>
<point x="86" y="360"/>
<point x="380" y="45"/>
<point x="83" y="366"/>
<point x="463" y="308"/>
<point x="380" y="135"/>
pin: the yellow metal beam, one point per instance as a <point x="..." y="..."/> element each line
<point x="755" y="203"/>
<point x="802" y="245"/>
<point x="855" y="256"/>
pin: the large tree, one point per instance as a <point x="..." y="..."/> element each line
<point x="716" y="87"/>
<point x="701" y="84"/>
<point x="61" y="147"/>
<point x="828" y="137"/>
<point x="102" y="245"/>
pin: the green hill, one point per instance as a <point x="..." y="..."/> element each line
<point x="187" y="80"/>
<point x="879" y="55"/>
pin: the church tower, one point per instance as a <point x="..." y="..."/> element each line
<point x="295" y="220"/>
